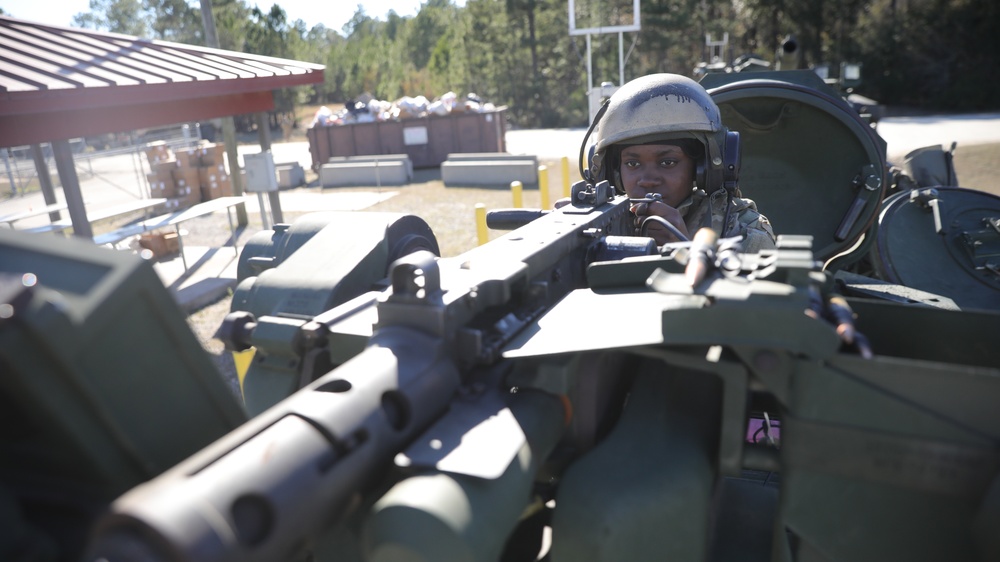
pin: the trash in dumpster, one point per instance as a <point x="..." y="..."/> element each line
<point x="367" y="109"/>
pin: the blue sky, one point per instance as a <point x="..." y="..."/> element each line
<point x="332" y="15"/>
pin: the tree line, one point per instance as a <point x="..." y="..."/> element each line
<point x="940" y="55"/>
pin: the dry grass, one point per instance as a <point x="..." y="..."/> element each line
<point x="976" y="167"/>
<point x="451" y="211"/>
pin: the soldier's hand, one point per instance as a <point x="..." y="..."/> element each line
<point x="658" y="232"/>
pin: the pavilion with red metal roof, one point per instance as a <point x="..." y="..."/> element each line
<point x="60" y="83"/>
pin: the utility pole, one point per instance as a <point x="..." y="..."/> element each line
<point x="228" y="125"/>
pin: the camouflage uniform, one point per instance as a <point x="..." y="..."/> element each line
<point x="744" y="219"/>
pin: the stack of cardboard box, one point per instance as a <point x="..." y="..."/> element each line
<point x="186" y="180"/>
<point x="188" y="176"/>
<point x="172" y="177"/>
<point x="215" y="181"/>
<point x="161" y="162"/>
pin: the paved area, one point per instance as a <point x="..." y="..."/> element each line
<point x="211" y="273"/>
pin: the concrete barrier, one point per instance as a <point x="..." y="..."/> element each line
<point x="489" y="173"/>
<point x="290" y="174"/>
<point x="490" y="156"/>
<point x="380" y="158"/>
<point x="344" y="174"/>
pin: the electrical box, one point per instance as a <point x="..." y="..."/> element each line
<point x="261" y="175"/>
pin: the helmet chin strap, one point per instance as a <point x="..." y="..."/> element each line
<point x="725" y="216"/>
<point x="585" y="173"/>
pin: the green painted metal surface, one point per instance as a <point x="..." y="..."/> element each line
<point x="103" y="387"/>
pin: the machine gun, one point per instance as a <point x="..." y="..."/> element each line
<point x="434" y="356"/>
<point x="567" y="392"/>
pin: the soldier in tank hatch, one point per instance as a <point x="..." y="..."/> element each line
<point x="660" y="138"/>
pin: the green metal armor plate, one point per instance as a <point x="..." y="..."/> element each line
<point x="810" y="162"/>
<point x="943" y="240"/>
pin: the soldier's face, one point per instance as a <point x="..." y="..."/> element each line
<point x="657" y="168"/>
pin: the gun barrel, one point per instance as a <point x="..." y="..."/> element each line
<point x="267" y="488"/>
<point x="787" y="54"/>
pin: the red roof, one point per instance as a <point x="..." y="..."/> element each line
<point x="59" y="82"/>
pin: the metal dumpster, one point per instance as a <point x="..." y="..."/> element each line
<point x="426" y="140"/>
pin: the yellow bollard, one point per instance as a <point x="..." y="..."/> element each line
<point x="242" y="360"/>
<point x="543" y="185"/>
<point x="516" y="189"/>
<point x="481" y="233"/>
<point x="565" y="176"/>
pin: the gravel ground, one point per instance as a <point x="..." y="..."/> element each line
<point x="204" y="323"/>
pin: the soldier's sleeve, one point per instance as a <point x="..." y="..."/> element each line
<point x="757" y="231"/>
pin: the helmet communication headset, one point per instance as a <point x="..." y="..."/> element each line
<point x="660" y="108"/>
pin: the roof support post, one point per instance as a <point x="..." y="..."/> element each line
<point x="71" y="189"/>
<point x="45" y="180"/>
<point x="229" y="137"/>
<point x="264" y="134"/>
